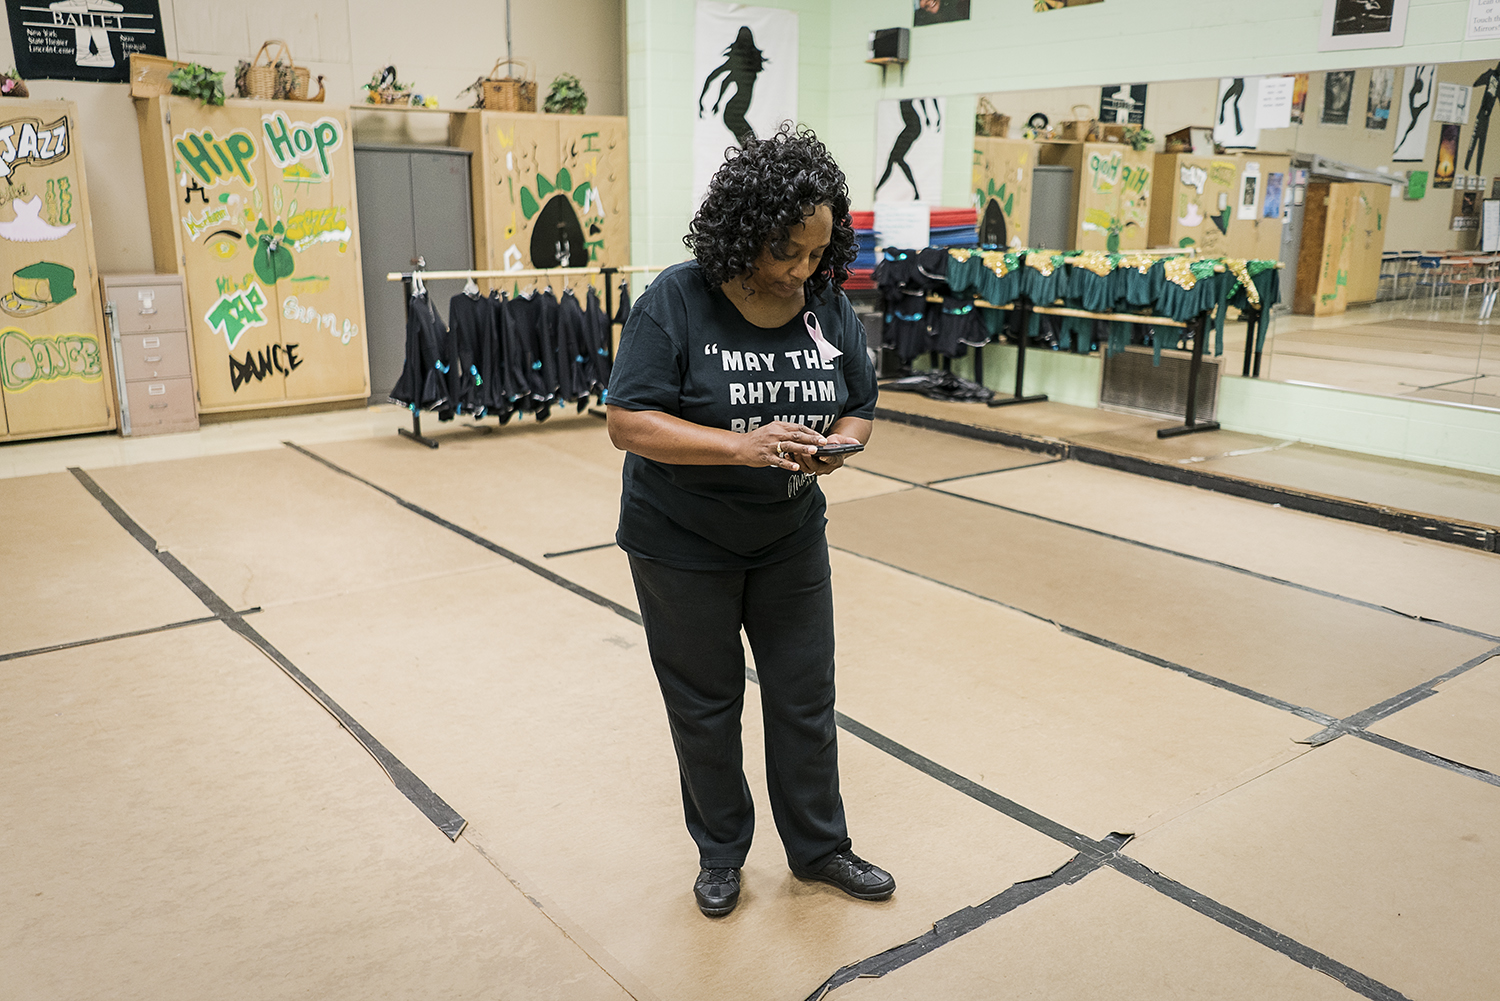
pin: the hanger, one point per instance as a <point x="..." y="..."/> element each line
<point x="471" y="288"/>
<point x="417" y="285"/>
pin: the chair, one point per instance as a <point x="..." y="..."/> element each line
<point x="1432" y="275"/>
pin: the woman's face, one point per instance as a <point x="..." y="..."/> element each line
<point x="781" y="269"/>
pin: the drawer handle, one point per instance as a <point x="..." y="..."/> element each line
<point x="153" y="357"/>
<point x="158" y="406"/>
<point x="160" y="389"/>
<point x="150" y="342"/>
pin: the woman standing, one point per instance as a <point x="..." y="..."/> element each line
<point x="733" y="370"/>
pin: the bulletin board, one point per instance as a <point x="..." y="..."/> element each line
<point x="55" y="372"/>
<point x="1002" y="189"/>
<point x="549" y="190"/>
<point x="253" y="203"/>
<point x="1202" y="201"/>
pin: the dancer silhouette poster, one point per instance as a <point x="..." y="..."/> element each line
<point x="909" y="150"/>
<point x="744" y="80"/>
<point x="1414" y="99"/>
<point x="83" y="39"/>
<point x="1235" y="126"/>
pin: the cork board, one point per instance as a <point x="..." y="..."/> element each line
<point x="257" y="200"/>
<point x="1002" y="189"/>
<point x="549" y="190"/>
<point x="54" y="358"/>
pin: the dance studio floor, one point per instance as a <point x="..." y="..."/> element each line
<point x="347" y="717"/>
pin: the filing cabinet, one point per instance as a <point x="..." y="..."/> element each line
<point x="148" y="327"/>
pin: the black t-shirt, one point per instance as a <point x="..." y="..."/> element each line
<point x="687" y="351"/>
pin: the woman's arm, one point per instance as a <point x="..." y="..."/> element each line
<point x="662" y="437"/>
<point x="845" y="431"/>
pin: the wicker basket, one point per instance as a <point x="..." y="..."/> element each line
<point x="510" y="93"/>
<point x="276" y="78"/>
<point x="989" y="122"/>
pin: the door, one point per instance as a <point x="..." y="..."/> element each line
<point x="415" y="203"/>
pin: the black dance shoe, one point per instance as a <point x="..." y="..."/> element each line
<point x="717" y="890"/>
<point x="853" y="875"/>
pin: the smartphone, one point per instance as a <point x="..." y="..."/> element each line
<point x="839" y="449"/>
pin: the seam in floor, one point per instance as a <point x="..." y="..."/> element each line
<point x="413" y="788"/>
<point x="1425" y="620"/>
<point x="1105" y="851"/>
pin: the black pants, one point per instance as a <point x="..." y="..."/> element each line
<point x="693" y="620"/>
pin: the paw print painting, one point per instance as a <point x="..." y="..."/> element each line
<point x="557" y="238"/>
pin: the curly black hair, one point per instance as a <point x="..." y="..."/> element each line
<point x="764" y="189"/>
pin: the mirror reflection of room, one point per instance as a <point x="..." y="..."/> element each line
<point x="1371" y="186"/>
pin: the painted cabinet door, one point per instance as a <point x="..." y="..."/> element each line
<point x="1113" y="198"/>
<point x="554" y="190"/>
<point x="269" y="252"/>
<point x="52" y="359"/>
<point x="1002" y="189"/>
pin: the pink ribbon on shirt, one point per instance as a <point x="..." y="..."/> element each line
<point x="826" y="351"/>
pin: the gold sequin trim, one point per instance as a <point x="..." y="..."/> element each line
<point x="1041" y="260"/>
<point x="960" y="254"/>
<point x="1096" y="261"/>
<point x="1180" y="272"/>
<point x="995" y="261"/>
<point x="1241" y="270"/>
<point x="1140" y="262"/>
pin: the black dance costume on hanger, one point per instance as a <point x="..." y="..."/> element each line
<point x="423" y="383"/>
<point x="596" y="328"/>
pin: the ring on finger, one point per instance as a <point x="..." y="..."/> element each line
<point x="778" y="447"/>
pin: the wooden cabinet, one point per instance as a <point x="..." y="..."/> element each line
<point x="1226" y="205"/>
<point x="1330" y="213"/>
<point x="549" y="190"/>
<point x="253" y="204"/>
<point x="54" y="362"/>
<point x="1002" y="189"/>
<point x="149" y="342"/>
<point x="1372" y="206"/>
<point x="1111" y="195"/>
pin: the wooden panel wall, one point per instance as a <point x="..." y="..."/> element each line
<point x="1196" y="200"/>
<point x="55" y="368"/>
<point x="1002" y="189"/>
<point x="1372" y="208"/>
<point x="254" y="204"/>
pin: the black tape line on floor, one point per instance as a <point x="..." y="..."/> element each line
<point x="1396" y="703"/>
<point x="1091" y="852"/>
<point x="413" y="788"/>
<point x="959" y="924"/>
<point x="1208" y="679"/>
<point x="991" y="472"/>
<point x="1254" y="930"/>
<point x="478" y="540"/>
<point x="582" y="549"/>
<point x="1307" y="588"/>
<point x="1470" y="771"/>
<point x="118" y="636"/>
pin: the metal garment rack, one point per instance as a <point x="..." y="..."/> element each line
<point x="607" y="273"/>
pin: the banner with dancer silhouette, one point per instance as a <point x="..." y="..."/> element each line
<point x="909" y="150"/>
<point x="83" y="39"/>
<point x="1415" y="97"/>
<point x="1235" y="124"/>
<point x="744" y="80"/>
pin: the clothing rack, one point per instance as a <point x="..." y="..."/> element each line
<point x="405" y="278"/>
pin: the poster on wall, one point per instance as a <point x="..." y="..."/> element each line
<point x="1378" y="104"/>
<point x="1273" y="109"/>
<point x="1452" y="104"/>
<point x="1487" y="86"/>
<point x="1299" y="98"/>
<point x="1235" y="126"/>
<point x="1041" y="5"/>
<point x="1362" y="24"/>
<point x="1414" y="112"/>
<point x="909" y="149"/>
<point x="1249" y="199"/>
<point x="1447" y="158"/>
<point x="1483" y="20"/>
<point x="746" y="58"/>
<point x="938" y="11"/>
<point x="1338" y="94"/>
<point x="1123" y="104"/>
<point x="1274" y="182"/>
<point x="83" y="39"/>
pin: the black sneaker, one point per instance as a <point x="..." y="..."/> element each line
<point x="717" y="890"/>
<point x="853" y="875"/>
